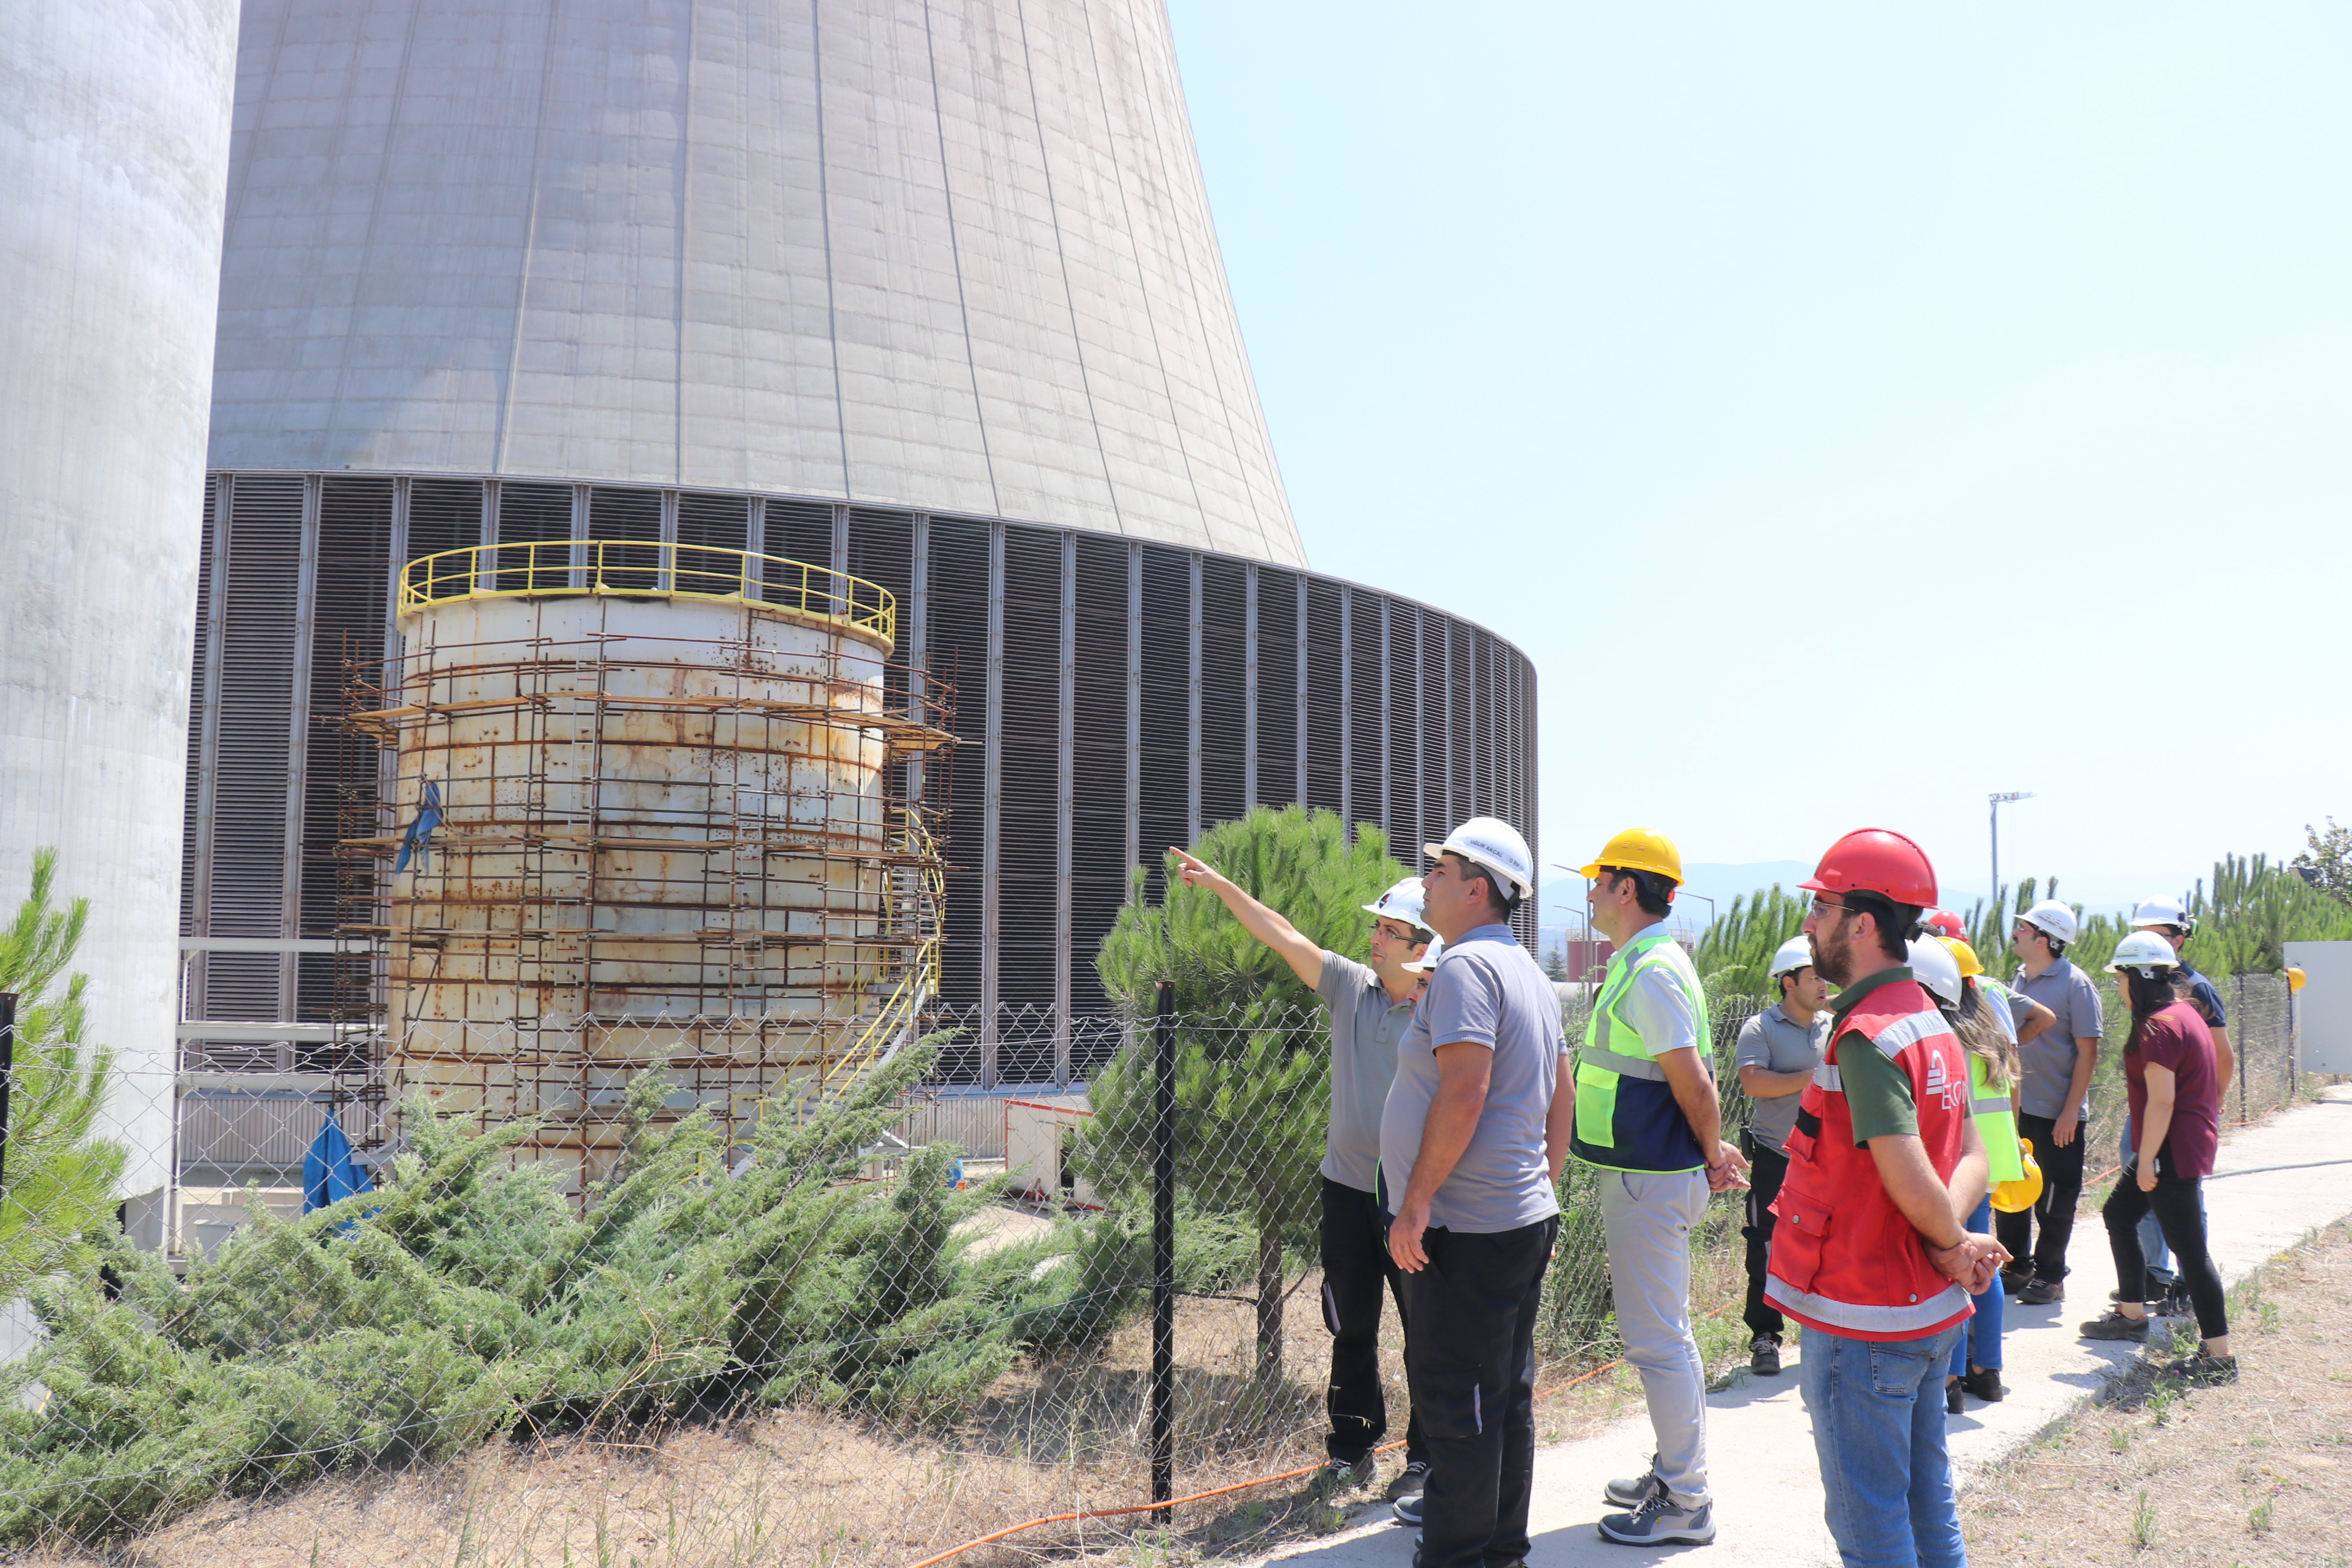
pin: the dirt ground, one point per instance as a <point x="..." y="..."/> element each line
<point x="2256" y="1473"/>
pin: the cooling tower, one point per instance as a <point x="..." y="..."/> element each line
<point x="946" y="256"/>
<point x="113" y="156"/>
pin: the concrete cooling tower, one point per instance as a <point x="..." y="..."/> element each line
<point x="895" y="333"/>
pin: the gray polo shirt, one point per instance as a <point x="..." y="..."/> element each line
<point x="2049" y="1057"/>
<point x="1486" y="991"/>
<point x="1365" y="1028"/>
<point x="1778" y="1043"/>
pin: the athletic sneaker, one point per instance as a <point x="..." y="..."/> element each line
<point x="2204" y="1368"/>
<point x="1660" y="1519"/>
<point x="1407" y="1509"/>
<point x="1409" y="1480"/>
<point x="1344" y="1474"/>
<point x="1764" y="1356"/>
<point x="2172" y="1304"/>
<point x="2014" y="1279"/>
<point x="2115" y="1326"/>
<point x="2041" y="1292"/>
<point x="1983" y="1382"/>
<point x="1635" y="1493"/>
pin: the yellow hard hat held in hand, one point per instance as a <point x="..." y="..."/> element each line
<point x="2017" y="1196"/>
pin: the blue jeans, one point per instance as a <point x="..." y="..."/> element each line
<point x="1980" y="1344"/>
<point x="1878" y="1427"/>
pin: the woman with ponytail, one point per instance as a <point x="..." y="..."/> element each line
<point x="2176" y="1111"/>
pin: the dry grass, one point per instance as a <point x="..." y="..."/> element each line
<point x="2259" y="1472"/>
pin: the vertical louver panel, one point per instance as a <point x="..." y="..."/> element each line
<point x="1324" y="760"/>
<point x="635" y="517"/>
<point x="192" y="838"/>
<point x="1224" y="718"/>
<point x="1368" y="761"/>
<point x="530" y="514"/>
<point x="1098" y="811"/>
<point x="252" y="760"/>
<point x="958" y="638"/>
<point x="1461" y="712"/>
<point x="717" y="523"/>
<point x="444" y="514"/>
<point x="1028" y="857"/>
<point x="1408" y="771"/>
<point x="801" y="532"/>
<point x="1162" y="817"/>
<point x="1278" y="686"/>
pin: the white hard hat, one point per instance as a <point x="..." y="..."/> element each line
<point x="1795" y="954"/>
<point x="2144" y="951"/>
<point x="1495" y="845"/>
<point x="1427" y="962"/>
<point x="1400" y="902"/>
<point x="1933" y="966"/>
<point x="2159" y="910"/>
<point x="2053" y="918"/>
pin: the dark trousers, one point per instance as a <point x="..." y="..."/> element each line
<point x="1766" y="1171"/>
<point x="2053" y="1211"/>
<point x="1471" y="1365"/>
<point x="2179" y="1204"/>
<point x="1357" y="1269"/>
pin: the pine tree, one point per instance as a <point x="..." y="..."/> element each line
<point x="60" y="1177"/>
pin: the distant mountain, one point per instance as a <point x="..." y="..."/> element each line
<point x="1563" y="896"/>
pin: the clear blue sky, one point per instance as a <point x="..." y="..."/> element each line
<point x="1851" y="409"/>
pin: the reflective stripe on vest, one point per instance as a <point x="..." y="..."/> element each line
<point x="1613" y="1053"/>
<point x="1996" y="1124"/>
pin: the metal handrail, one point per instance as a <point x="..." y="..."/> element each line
<point x="645" y="569"/>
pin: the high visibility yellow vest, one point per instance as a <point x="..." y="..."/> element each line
<point x="1996" y="1124"/>
<point x="1626" y="1115"/>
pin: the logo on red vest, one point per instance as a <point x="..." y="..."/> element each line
<point x="1940" y="1082"/>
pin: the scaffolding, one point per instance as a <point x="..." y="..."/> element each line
<point x="662" y="809"/>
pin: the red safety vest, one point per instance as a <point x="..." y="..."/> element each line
<point x="1844" y="1259"/>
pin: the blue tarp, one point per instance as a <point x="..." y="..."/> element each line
<point x="329" y="1173"/>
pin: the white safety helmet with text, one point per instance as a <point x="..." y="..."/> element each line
<point x="2160" y="911"/>
<point x="1401" y="902"/>
<point x="1495" y="846"/>
<point x="2146" y="952"/>
<point x="1933" y="966"/>
<point x="2052" y="919"/>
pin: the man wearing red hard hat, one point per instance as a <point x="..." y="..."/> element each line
<point x="1872" y="1253"/>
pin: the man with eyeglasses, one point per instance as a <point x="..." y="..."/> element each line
<point x="1370" y="1006"/>
<point x="1873" y="1255"/>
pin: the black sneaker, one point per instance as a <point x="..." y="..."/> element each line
<point x="1407" y="1509"/>
<point x="2012" y="1280"/>
<point x="1983" y="1382"/>
<point x="1953" y="1404"/>
<point x="1764" y="1356"/>
<point x="2115" y="1326"/>
<point x="2041" y="1292"/>
<point x="2203" y="1369"/>
<point x="1344" y="1474"/>
<point x="1409" y="1480"/>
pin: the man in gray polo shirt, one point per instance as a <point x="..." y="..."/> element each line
<point x="2057" y="1064"/>
<point x="1471" y="1149"/>
<point x="1370" y="1007"/>
<point x="1775" y="1059"/>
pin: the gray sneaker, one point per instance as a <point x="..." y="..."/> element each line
<point x="2115" y="1326"/>
<point x="1659" y="1521"/>
<point x="1633" y="1494"/>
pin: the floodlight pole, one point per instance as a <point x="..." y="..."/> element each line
<point x="1999" y="799"/>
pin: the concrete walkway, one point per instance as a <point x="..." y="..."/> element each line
<point x="1760" y="1444"/>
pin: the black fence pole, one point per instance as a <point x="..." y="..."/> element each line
<point x="1163" y="1247"/>
<point x="8" y="1072"/>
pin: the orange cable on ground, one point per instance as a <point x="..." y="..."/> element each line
<point x="1235" y="1487"/>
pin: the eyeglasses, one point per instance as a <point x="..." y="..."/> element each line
<point x="1822" y="906"/>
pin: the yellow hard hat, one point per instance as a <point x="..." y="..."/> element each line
<point x="2017" y="1196"/>
<point x="2295" y="978"/>
<point x="1970" y="966"/>
<point x="1639" y="849"/>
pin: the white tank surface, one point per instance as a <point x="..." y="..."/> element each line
<point x="954" y="257"/>
<point x="661" y="825"/>
<point x="115" y="129"/>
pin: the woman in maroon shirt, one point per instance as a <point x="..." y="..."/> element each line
<point x="2176" y="1109"/>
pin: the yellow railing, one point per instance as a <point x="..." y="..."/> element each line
<point x="645" y="569"/>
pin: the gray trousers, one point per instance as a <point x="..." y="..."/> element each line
<point x="1648" y="1218"/>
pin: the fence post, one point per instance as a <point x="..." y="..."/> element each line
<point x="1163" y="1247"/>
<point x="8" y="1072"/>
<point x="2246" y="1037"/>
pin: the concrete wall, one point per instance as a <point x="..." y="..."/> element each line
<point x="113" y="163"/>
<point x="939" y="254"/>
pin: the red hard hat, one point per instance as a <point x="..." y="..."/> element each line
<point x="1875" y="860"/>
<point x="1944" y="922"/>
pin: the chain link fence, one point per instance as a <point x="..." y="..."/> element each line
<point x="867" y="1330"/>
